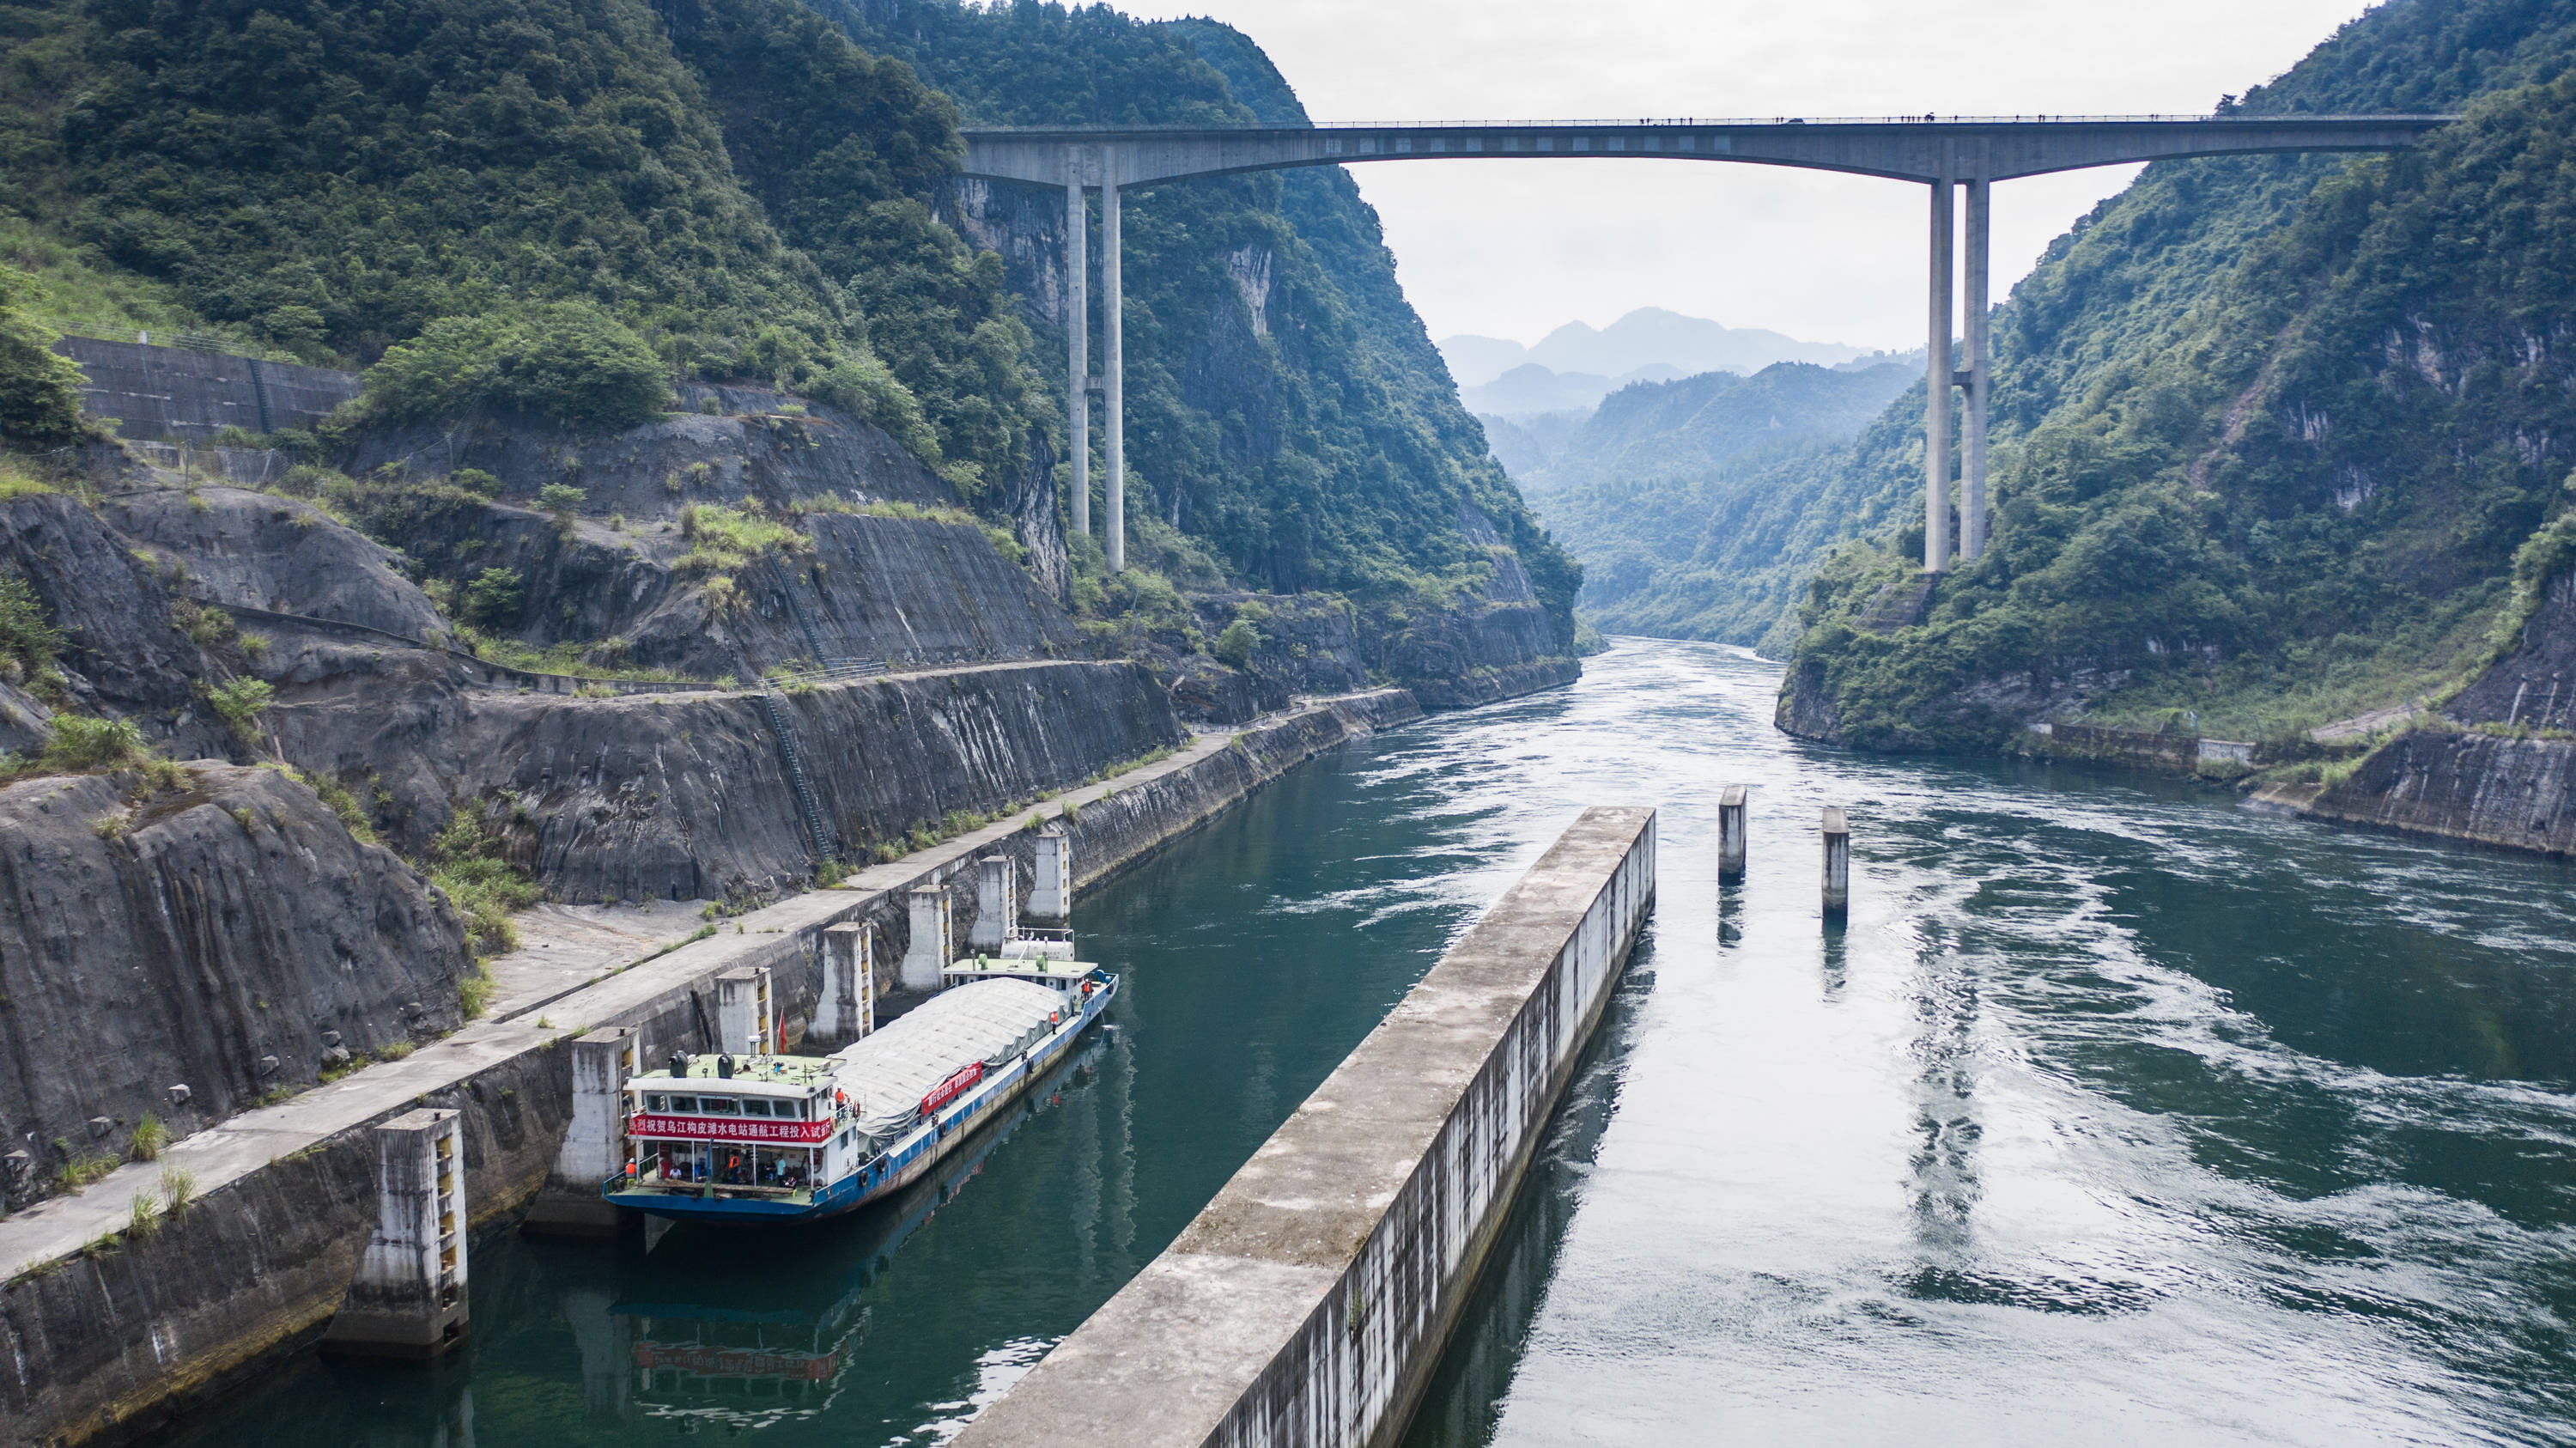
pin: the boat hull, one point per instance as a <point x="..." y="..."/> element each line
<point x="912" y="1158"/>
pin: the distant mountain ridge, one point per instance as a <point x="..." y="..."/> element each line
<point x="1653" y="432"/>
<point x="1699" y="507"/>
<point x="1643" y="338"/>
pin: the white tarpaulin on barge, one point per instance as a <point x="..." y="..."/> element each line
<point x="888" y="1073"/>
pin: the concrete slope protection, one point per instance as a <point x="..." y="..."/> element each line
<point x="106" y="1335"/>
<point x="1309" y="1302"/>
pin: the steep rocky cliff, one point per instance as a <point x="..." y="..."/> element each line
<point x="686" y="796"/>
<point x="123" y="653"/>
<point x="624" y="563"/>
<point x="225" y="936"/>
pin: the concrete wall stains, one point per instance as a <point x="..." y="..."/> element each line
<point x="1308" y="1304"/>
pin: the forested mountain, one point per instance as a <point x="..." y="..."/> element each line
<point x="2269" y="430"/>
<point x="1698" y="506"/>
<point x="1284" y="404"/>
<point x="761" y="191"/>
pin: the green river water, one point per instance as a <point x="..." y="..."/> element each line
<point x="2118" y="1114"/>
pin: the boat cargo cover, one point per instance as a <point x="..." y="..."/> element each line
<point x="889" y="1071"/>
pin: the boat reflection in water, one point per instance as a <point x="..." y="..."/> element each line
<point x="695" y="1339"/>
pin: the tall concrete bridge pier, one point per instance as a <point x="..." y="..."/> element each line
<point x="1945" y="154"/>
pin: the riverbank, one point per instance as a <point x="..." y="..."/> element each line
<point x="112" y="1331"/>
<point x="2451" y="784"/>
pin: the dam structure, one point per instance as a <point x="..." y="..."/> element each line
<point x="1309" y="1301"/>
<point x="1945" y="154"/>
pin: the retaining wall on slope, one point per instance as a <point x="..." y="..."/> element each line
<point x="164" y="392"/>
<point x="109" y="1345"/>
<point x="1308" y="1304"/>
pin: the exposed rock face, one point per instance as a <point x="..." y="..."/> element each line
<point x="275" y="553"/>
<point x="1806" y="708"/>
<point x="749" y="448"/>
<point x="686" y="796"/>
<point x="2471" y="785"/>
<point x="2515" y="792"/>
<point x="235" y="921"/>
<point x="123" y="653"/>
<point x="867" y="588"/>
<point x="2535" y="685"/>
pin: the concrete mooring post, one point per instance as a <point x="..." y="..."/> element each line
<point x="997" y="903"/>
<point x="744" y="1024"/>
<point x="1730" y="835"/>
<point x="408" y="1299"/>
<point x="848" y="1007"/>
<point x="594" y="1144"/>
<point x="927" y="955"/>
<point x="1051" y="896"/>
<point x="1837" y="864"/>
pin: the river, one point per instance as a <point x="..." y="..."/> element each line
<point x="2117" y="1113"/>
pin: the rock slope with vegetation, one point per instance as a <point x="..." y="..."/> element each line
<point x="689" y="363"/>
<point x="2270" y="431"/>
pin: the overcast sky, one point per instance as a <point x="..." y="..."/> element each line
<point x="1514" y="248"/>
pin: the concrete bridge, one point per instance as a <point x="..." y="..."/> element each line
<point x="1942" y="153"/>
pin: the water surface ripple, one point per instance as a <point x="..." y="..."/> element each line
<point x="2118" y="1114"/>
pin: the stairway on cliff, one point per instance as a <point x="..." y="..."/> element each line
<point x="827" y="845"/>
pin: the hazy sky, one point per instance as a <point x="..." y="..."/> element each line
<point x="1513" y="248"/>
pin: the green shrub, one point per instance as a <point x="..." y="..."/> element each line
<point x="560" y="499"/>
<point x="474" y="992"/>
<point x="150" y="1136"/>
<point x="178" y="1188"/>
<point x="241" y="701"/>
<point x="570" y="361"/>
<point x="26" y="639"/>
<point x="465" y="862"/>
<point x="81" y="742"/>
<point x="476" y="481"/>
<point x="39" y="390"/>
<point x="1235" y="644"/>
<point x="723" y="540"/>
<point x="492" y="599"/>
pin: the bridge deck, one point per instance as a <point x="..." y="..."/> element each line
<point x="1902" y="148"/>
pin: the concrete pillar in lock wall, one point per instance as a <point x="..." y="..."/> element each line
<point x="408" y="1298"/>
<point x="594" y="1144"/>
<point x="1051" y="897"/>
<point x="1730" y="834"/>
<point x="1837" y="864"/>
<point x="744" y="1023"/>
<point x="997" y="903"/>
<point x="848" y="1007"/>
<point x="927" y="955"/>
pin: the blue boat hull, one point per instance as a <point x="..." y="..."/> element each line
<point x="891" y="1171"/>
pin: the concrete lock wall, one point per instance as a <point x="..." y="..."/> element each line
<point x="109" y="1346"/>
<point x="1308" y="1304"/>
